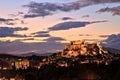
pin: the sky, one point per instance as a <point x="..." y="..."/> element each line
<point x="45" y="26"/>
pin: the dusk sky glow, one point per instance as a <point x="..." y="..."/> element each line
<point x="46" y="26"/>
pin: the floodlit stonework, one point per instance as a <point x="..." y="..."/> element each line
<point x="79" y="47"/>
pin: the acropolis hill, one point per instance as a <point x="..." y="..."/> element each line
<point x="79" y="47"/>
<point x="81" y="52"/>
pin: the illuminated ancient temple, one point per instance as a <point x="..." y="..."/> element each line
<point x="79" y="47"/>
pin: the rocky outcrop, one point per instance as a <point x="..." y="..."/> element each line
<point x="82" y="53"/>
<point x="79" y="47"/>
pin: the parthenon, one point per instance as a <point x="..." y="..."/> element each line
<point x="79" y="47"/>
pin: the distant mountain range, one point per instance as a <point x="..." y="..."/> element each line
<point x="5" y="55"/>
<point x="113" y="51"/>
<point x="37" y="54"/>
<point x="2" y="55"/>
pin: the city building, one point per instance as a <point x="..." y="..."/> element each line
<point x="21" y="64"/>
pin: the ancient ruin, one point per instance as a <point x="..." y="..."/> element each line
<point x="79" y="47"/>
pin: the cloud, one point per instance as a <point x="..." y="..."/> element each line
<point x="85" y="35"/>
<point x="113" y="41"/>
<point x="66" y="18"/>
<point x="85" y="16"/>
<point x="18" y="47"/>
<point x="7" y="21"/>
<point x="114" y="10"/>
<point x="104" y="36"/>
<point x="23" y="22"/>
<point x="27" y="39"/>
<point x="54" y="39"/>
<point x="10" y="23"/>
<point x="15" y="15"/>
<point x="41" y="34"/>
<point x="99" y="21"/>
<point x="45" y="9"/>
<point x="71" y="24"/>
<point x="33" y="15"/>
<point x="9" y="31"/>
<point x="17" y="19"/>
